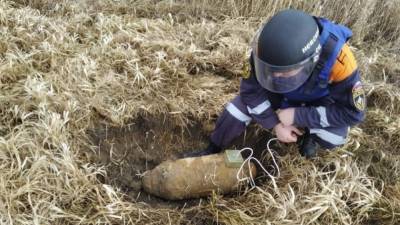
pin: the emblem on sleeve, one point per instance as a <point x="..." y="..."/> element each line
<point x="358" y="96"/>
<point x="246" y="71"/>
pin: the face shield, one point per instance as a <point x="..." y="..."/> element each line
<point x="282" y="79"/>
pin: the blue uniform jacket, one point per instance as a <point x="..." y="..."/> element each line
<point x="341" y="103"/>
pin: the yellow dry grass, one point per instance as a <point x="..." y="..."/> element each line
<point x="68" y="66"/>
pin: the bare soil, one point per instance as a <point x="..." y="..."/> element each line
<point x="127" y="152"/>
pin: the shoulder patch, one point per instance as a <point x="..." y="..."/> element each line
<point x="359" y="96"/>
<point x="246" y="71"/>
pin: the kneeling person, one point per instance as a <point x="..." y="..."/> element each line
<point x="303" y="75"/>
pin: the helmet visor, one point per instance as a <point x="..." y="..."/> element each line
<point x="283" y="79"/>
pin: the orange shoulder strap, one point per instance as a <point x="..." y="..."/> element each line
<point x="344" y="66"/>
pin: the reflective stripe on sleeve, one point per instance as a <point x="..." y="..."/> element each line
<point x="260" y="108"/>
<point x="323" y="120"/>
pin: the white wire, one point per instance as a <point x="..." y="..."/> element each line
<point x="247" y="160"/>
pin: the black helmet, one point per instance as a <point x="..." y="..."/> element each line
<point x="285" y="51"/>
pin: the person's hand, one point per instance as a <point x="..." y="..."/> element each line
<point x="287" y="134"/>
<point x="286" y="116"/>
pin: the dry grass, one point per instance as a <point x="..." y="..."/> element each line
<point x="68" y="66"/>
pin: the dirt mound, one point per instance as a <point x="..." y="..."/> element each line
<point x="127" y="152"/>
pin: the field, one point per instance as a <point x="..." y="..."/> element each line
<point x="94" y="93"/>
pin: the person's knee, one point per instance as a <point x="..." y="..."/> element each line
<point x="329" y="138"/>
<point x="231" y="123"/>
<point x="238" y="110"/>
<point x="325" y="144"/>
